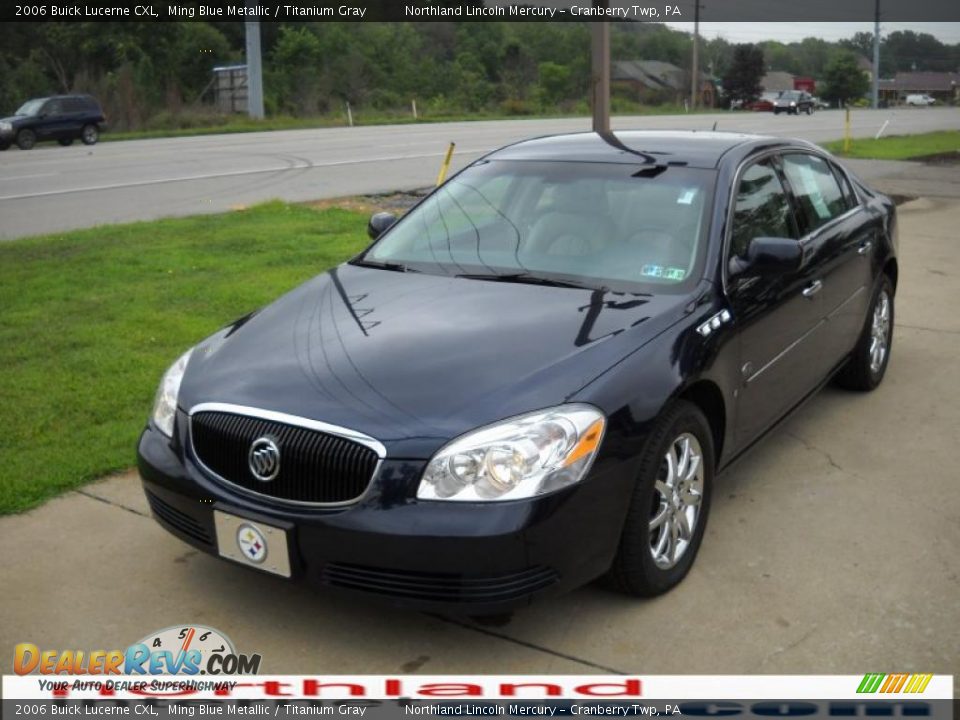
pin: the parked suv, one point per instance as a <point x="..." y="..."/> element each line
<point x="63" y="118"/>
<point x="794" y="102"/>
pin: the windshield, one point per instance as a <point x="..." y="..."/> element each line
<point x="621" y="226"/>
<point x="790" y="96"/>
<point x="30" y="107"/>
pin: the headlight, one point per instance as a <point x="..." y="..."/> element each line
<point x="6" y="127"/>
<point x="165" y="404"/>
<point x="518" y="458"/>
<point x="793" y="104"/>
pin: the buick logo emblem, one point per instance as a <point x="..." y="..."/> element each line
<point x="264" y="459"/>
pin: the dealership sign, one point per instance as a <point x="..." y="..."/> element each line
<point x="469" y="687"/>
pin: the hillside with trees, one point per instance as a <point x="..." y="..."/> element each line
<point x="159" y="74"/>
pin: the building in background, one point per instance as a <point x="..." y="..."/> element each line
<point x="654" y="82"/>
<point x="943" y="87"/>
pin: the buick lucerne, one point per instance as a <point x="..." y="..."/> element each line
<point x="531" y="379"/>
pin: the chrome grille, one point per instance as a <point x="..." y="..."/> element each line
<point x="315" y="466"/>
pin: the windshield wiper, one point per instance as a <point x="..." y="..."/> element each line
<point x="395" y="267"/>
<point x="530" y="279"/>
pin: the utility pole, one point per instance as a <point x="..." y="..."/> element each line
<point x="600" y="74"/>
<point x="876" y="55"/>
<point x="695" y="65"/>
<point x="254" y="71"/>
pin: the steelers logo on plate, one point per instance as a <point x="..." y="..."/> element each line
<point x="252" y="543"/>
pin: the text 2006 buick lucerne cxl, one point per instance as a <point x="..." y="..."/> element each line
<point x="532" y="378"/>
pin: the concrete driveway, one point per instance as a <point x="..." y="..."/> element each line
<point x="833" y="548"/>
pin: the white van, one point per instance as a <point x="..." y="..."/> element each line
<point x="920" y="100"/>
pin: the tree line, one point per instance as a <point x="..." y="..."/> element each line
<point x="145" y="72"/>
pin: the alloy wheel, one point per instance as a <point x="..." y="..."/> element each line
<point x="675" y="508"/>
<point x="880" y="332"/>
<point x="26" y="139"/>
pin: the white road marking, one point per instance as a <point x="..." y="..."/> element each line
<point x="24" y="177"/>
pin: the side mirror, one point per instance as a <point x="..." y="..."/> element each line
<point x="768" y="256"/>
<point x="379" y="223"/>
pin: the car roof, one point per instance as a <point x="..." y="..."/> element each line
<point x="691" y="148"/>
<point x="82" y="96"/>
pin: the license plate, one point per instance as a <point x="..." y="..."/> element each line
<point x="252" y="543"/>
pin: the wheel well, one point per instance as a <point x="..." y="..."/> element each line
<point x="891" y="270"/>
<point x="707" y="396"/>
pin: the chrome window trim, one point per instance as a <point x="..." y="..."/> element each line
<point x="806" y="239"/>
<point x="803" y="240"/>
<point x="287" y="419"/>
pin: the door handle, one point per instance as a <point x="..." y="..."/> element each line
<point x="812" y="289"/>
<point x="865" y="248"/>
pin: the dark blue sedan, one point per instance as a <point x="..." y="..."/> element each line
<point x="533" y="378"/>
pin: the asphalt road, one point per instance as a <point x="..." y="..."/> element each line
<point x="51" y="188"/>
<point x="832" y="548"/>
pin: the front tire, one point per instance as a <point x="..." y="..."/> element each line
<point x="868" y="362"/>
<point x="26" y="139"/>
<point x="90" y="134"/>
<point x="671" y="499"/>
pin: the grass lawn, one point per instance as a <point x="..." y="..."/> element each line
<point x="899" y="147"/>
<point x="92" y="318"/>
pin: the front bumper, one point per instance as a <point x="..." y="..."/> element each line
<point x="475" y="559"/>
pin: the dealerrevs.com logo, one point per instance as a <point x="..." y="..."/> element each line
<point x="176" y="650"/>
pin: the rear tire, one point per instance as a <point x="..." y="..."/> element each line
<point x="66" y="142"/>
<point x="90" y="134"/>
<point x="26" y="139"/>
<point x="868" y="362"/>
<point x="671" y="500"/>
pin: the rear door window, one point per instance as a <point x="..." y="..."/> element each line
<point x="816" y="189"/>
<point x="53" y="107"/>
<point x="848" y="192"/>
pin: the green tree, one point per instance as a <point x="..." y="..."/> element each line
<point x="844" y="79"/>
<point x="742" y="79"/>
<point x="554" y="83"/>
<point x="294" y="71"/>
<point x="905" y="50"/>
<point x="861" y="43"/>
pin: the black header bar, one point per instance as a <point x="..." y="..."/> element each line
<point x="482" y="10"/>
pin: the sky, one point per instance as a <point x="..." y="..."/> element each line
<point x="741" y="32"/>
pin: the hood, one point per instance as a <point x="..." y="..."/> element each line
<point x="414" y="359"/>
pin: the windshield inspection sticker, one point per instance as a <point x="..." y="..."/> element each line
<point x="687" y="197"/>
<point x="659" y="271"/>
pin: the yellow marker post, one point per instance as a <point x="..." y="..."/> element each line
<point x="446" y="165"/>
<point x="846" y="133"/>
